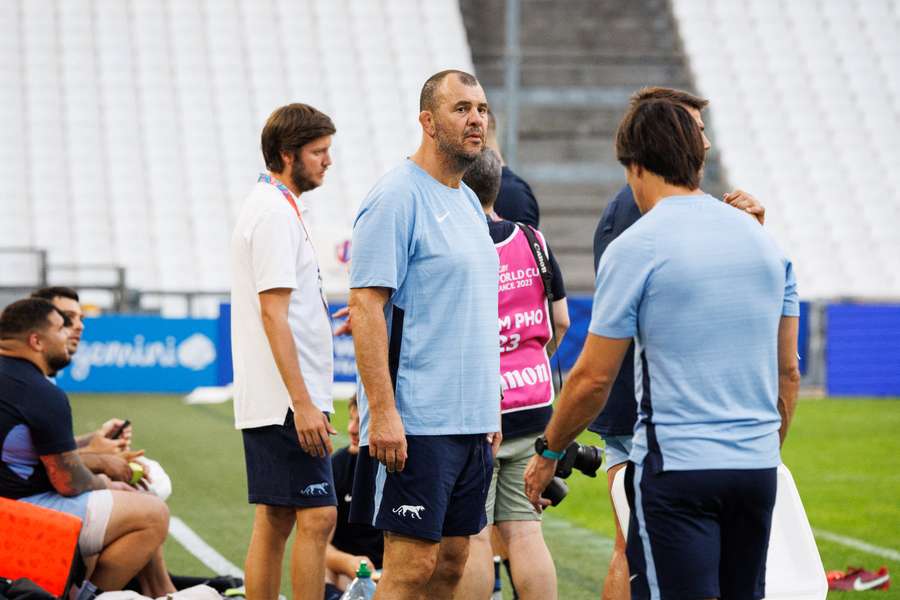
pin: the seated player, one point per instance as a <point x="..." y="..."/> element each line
<point x="352" y="542"/>
<point x="39" y="463"/>
<point x="108" y="449"/>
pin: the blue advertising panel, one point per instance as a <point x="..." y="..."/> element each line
<point x="143" y="354"/>
<point x="225" y="370"/>
<point x="344" y="355"/>
<point x="580" y="319"/>
<point x="863" y="350"/>
<point x="803" y="337"/>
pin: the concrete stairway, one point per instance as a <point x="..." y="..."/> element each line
<point x="581" y="59"/>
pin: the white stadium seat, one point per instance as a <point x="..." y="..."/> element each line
<point x="154" y="111"/>
<point x="812" y="132"/>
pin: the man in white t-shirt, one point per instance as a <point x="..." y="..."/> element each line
<point x="282" y="353"/>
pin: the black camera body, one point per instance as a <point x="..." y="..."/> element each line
<point x="586" y="459"/>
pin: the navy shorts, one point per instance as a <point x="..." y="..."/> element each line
<point x="280" y="473"/>
<point x="441" y="492"/>
<point x="698" y="534"/>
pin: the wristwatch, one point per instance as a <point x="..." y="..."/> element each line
<point x="541" y="449"/>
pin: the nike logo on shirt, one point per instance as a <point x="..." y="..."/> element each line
<point x="441" y="218"/>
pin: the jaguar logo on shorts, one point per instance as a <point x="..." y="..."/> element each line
<point x="315" y="489"/>
<point x="406" y="510"/>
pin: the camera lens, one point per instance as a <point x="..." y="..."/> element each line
<point x="555" y="491"/>
<point x="588" y="460"/>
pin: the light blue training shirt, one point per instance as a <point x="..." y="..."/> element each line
<point x="702" y="289"/>
<point x="429" y="243"/>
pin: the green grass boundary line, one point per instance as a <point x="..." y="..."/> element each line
<point x="850" y="542"/>
<point x="203" y="552"/>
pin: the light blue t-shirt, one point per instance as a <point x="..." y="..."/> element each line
<point x="430" y="244"/>
<point x="702" y="288"/>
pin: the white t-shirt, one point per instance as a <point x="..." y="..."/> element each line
<point x="271" y="249"/>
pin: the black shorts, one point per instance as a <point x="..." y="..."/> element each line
<point x="441" y="491"/>
<point x="280" y="473"/>
<point x="698" y="534"/>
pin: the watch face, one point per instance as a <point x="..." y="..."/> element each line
<point x="540" y="444"/>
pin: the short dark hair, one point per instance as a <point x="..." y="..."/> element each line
<point x="428" y="99"/>
<point x="483" y="176"/>
<point x="662" y="137"/>
<point x="671" y="94"/>
<point x="289" y="128"/>
<point x="23" y="317"/>
<point x="57" y="291"/>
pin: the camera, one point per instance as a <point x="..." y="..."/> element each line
<point x="586" y="459"/>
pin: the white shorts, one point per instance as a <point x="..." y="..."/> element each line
<point x="93" y="508"/>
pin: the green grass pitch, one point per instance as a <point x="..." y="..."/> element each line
<point x="844" y="455"/>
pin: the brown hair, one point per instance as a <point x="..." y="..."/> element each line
<point x="663" y="93"/>
<point x="49" y="293"/>
<point x="290" y="128"/>
<point x="662" y="137"/>
<point x="428" y="99"/>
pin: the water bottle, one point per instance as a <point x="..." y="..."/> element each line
<point x="362" y="588"/>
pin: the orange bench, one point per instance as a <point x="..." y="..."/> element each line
<point x="38" y="543"/>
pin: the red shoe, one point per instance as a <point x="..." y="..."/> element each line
<point x="859" y="580"/>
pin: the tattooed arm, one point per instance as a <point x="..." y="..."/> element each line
<point x="69" y="476"/>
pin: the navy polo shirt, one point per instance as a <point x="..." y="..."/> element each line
<point x="515" y="200"/>
<point x="35" y="420"/>
<point x="620" y="413"/>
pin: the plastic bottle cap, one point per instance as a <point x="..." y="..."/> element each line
<point x="363" y="570"/>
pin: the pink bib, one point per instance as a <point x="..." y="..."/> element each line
<point x="524" y="327"/>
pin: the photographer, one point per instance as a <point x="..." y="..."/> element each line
<point x="525" y="334"/>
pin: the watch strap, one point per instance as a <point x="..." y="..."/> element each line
<point x="548" y="453"/>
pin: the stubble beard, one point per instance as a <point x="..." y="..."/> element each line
<point x="299" y="177"/>
<point x="454" y="154"/>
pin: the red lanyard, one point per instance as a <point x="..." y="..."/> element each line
<point x="290" y="198"/>
<point x="286" y="193"/>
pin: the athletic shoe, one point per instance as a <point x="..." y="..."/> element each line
<point x="856" y="579"/>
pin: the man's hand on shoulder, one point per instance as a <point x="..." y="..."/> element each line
<point x="741" y="200"/>
<point x="313" y="429"/>
<point x="387" y="438"/>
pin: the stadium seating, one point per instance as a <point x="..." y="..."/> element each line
<point x="131" y="129"/>
<point x="805" y="110"/>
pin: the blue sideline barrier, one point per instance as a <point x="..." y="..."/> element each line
<point x="863" y="350"/>
<point x="154" y="354"/>
<point x="143" y="354"/>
